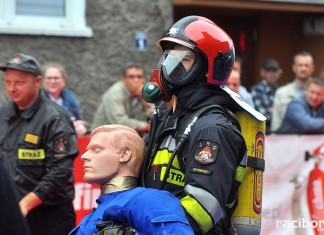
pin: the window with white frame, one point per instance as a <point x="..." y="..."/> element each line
<point x="44" y="17"/>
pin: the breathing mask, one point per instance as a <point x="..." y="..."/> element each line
<point x="177" y="67"/>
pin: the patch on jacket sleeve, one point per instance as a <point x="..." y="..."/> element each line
<point x="206" y="151"/>
<point x="31" y="154"/>
<point x="31" y="138"/>
<point x="60" y="147"/>
<point x="200" y="171"/>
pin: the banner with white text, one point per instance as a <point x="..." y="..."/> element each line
<point x="293" y="202"/>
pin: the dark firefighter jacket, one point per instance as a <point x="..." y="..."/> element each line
<point x="38" y="146"/>
<point x="203" y="172"/>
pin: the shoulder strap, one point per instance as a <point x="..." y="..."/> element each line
<point x="186" y="125"/>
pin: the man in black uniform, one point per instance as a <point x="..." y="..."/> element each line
<point x="197" y="60"/>
<point x="38" y="146"/>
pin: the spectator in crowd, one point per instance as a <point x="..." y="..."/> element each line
<point x="303" y="68"/>
<point x="113" y="160"/>
<point x="242" y="91"/>
<point x="123" y="104"/>
<point x="234" y="83"/>
<point x="264" y="91"/>
<point x="305" y="114"/>
<point x="54" y="86"/>
<point x="12" y="221"/>
<point x="38" y="146"/>
<point x="238" y="64"/>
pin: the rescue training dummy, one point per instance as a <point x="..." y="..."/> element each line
<point x="200" y="150"/>
<point x="113" y="159"/>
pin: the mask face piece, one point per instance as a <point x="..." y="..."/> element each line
<point x="177" y="67"/>
<point x="178" y="72"/>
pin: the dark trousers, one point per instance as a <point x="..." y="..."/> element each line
<point x="51" y="220"/>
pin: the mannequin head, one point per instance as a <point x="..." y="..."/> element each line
<point x="113" y="151"/>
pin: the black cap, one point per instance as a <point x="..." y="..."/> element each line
<point x="23" y="62"/>
<point x="271" y="64"/>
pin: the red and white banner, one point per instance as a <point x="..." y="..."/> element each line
<point x="85" y="194"/>
<point x="293" y="202"/>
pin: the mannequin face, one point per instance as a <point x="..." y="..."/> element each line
<point x="102" y="159"/>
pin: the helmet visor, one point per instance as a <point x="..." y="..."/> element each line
<point x="177" y="65"/>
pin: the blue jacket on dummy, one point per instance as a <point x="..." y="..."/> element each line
<point x="148" y="211"/>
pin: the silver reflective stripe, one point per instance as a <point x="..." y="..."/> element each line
<point x="208" y="201"/>
<point x="244" y="160"/>
<point x="168" y="143"/>
<point x="235" y="97"/>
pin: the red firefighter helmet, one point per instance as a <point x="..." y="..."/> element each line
<point x="201" y="34"/>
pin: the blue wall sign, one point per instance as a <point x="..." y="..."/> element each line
<point x="140" y="41"/>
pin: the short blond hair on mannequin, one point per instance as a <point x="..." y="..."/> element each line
<point x="125" y="137"/>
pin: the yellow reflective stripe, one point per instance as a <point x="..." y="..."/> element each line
<point x="175" y="177"/>
<point x="198" y="213"/>
<point x="239" y="174"/>
<point x="31" y="154"/>
<point x="163" y="156"/>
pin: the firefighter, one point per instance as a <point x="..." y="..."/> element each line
<point x="199" y="168"/>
